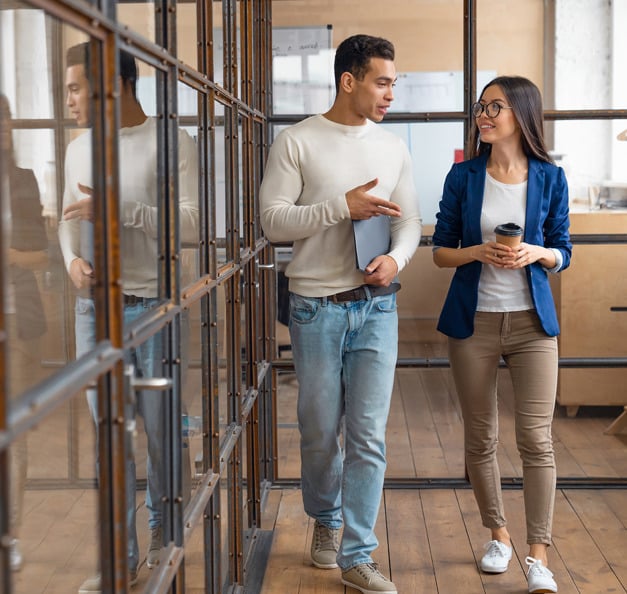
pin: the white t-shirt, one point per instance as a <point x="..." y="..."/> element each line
<point x="310" y="168"/>
<point x="502" y="289"/>
<point x="138" y="201"/>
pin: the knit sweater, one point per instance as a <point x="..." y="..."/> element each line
<point x="139" y="179"/>
<point x="311" y="166"/>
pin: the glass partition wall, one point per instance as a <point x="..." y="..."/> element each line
<point x="170" y="351"/>
<point x="133" y="360"/>
<point x="446" y="51"/>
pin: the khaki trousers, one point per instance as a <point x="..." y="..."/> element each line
<point x="532" y="359"/>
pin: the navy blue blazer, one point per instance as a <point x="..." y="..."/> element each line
<point x="459" y="225"/>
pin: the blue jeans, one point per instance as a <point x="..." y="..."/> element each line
<point x="345" y="359"/>
<point x="147" y="359"/>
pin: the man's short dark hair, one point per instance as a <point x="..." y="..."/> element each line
<point x="79" y="55"/>
<point x="354" y="53"/>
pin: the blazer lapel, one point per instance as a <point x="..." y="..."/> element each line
<point x="475" y="189"/>
<point x="535" y="196"/>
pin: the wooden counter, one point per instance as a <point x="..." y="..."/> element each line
<point x="595" y="282"/>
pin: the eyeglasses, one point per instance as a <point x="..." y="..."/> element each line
<point x="491" y="109"/>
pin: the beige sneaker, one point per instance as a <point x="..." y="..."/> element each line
<point x="324" y="546"/>
<point x="93" y="585"/>
<point x="368" y="579"/>
<point x="154" y="549"/>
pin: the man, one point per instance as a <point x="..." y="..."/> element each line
<point x="139" y="234"/>
<point x="321" y="174"/>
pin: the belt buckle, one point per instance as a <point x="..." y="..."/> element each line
<point x="131" y="300"/>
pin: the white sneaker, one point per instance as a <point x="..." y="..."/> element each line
<point x="539" y="578"/>
<point x="496" y="558"/>
<point x="15" y="555"/>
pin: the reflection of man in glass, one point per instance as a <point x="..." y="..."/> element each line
<point x="139" y="233"/>
<point x="24" y="232"/>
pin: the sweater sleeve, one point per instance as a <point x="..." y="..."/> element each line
<point x="282" y="217"/>
<point x="69" y="230"/>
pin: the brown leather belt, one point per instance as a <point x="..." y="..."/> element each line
<point x="363" y="293"/>
<point x="132" y="299"/>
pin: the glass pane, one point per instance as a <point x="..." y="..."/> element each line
<point x="223" y="399"/>
<point x="47" y="504"/>
<point x="28" y="75"/>
<point x="218" y="44"/>
<point x="146" y="479"/>
<point x="191" y="374"/>
<point x="220" y="191"/>
<point x="510" y="40"/>
<point x="38" y="297"/>
<point x="186" y="33"/>
<point x="595" y="168"/>
<point x="428" y="41"/>
<point x="140" y="18"/>
<point x="240" y="185"/>
<point x="247" y="366"/>
<point x="255" y="170"/>
<point x="302" y="65"/>
<point x="247" y="491"/>
<point x="224" y="492"/>
<point x="288" y="436"/>
<point x="140" y="191"/>
<point x="189" y="224"/>
<point x="195" y="563"/>
<point x="282" y="257"/>
<point x="593" y="33"/>
<point x="220" y="52"/>
<point x="434" y="147"/>
<point x="140" y="145"/>
<point x="34" y="307"/>
<point x="238" y="49"/>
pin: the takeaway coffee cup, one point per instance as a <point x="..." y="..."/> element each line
<point x="509" y="234"/>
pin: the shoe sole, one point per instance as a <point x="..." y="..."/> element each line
<point x="543" y="591"/>
<point x="366" y="591"/>
<point x="324" y="565"/>
<point x="492" y="570"/>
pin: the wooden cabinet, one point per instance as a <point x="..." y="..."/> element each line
<point x="585" y="293"/>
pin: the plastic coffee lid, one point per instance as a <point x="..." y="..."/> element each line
<point x="508" y="229"/>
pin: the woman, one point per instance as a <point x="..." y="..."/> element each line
<point x="499" y="304"/>
<point x="24" y="231"/>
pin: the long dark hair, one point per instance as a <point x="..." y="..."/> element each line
<point x="525" y="98"/>
<point x="354" y="53"/>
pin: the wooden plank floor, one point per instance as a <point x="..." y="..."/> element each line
<point x="432" y="540"/>
<point x="425" y="431"/>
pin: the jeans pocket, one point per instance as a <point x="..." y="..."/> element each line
<point x="83" y="306"/>
<point x="303" y="310"/>
<point x="386" y="304"/>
